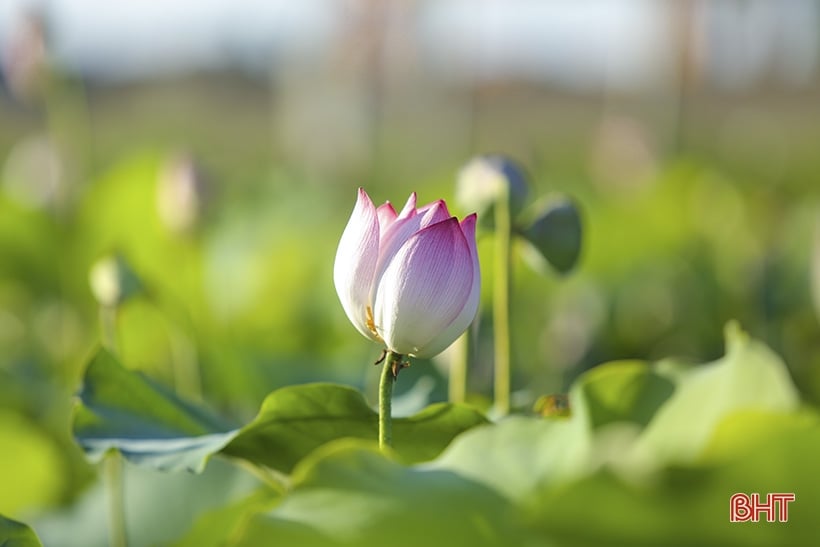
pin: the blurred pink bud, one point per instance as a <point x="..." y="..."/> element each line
<point x="180" y="194"/>
<point x="24" y="58"/>
<point x="410" y="280"/>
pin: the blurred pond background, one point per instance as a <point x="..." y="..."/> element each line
<point x="214" y="148"/>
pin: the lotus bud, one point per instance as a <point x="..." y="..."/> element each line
<point x="481" y="182"/>
<point x="408" y="280"/>
<point x="180" y="194"/>
<point x="23" y="58"/>
<point x="113" y="281"/>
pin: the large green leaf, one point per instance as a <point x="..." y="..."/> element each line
<point x="622" y="391"/>
<point x="350" y="492"/>
<point x="225" y="525"/>
<point x="124" y="410"/>
<point x="744" y="431"/>
<point x="17" y="534"/>
<point x="294" y="421"/>
<point x="520" y="454"/>
<point x="749" y="377"/>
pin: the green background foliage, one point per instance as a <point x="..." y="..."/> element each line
<point x="698" y="207"/>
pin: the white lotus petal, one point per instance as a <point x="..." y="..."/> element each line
<point x="355" y="265"/>
<point x="424" y="288"/>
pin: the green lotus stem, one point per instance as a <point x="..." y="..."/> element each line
<point x="108" y="327"/>
<point x="501" y="301"/>
<point x="184" y="365"/>
<point x="457" y="387"/>
<point x="390" y="370"/>
<point x="116" y="501"/>
<point x="117" y="536"/>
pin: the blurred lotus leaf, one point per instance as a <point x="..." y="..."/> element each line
<point x="32" y="472"/>
<point x="17" y="534"/>
<point x="555" y="235"/>
<point x="125" y="410"/>
<point x="348" y="493"/>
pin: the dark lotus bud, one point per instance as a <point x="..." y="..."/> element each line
<point x="482" y="182"/>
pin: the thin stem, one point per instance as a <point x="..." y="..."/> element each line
<point x="117" y="535"/>
<point x="390" y="369"/>
<point x="116" y="501"/>
<point x="458" y="369"/>
<point x="184" y="365"/>
<point x="501" y="302"/>
<point x="108" y="327"/>
<point x="184" y="362"/>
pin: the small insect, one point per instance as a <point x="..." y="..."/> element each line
<point x="553" y="406"/>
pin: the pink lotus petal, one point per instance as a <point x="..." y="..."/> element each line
<point x="433" y="213"/>
<point x="424" y="288"/>
<point x="402" y="229"/>
<point x="439" y="203"/>
<point x="449" y="334"/>
<point x="409" y="207"/>
<point x="387" y="215"/>
<point x="355" y="264"/>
